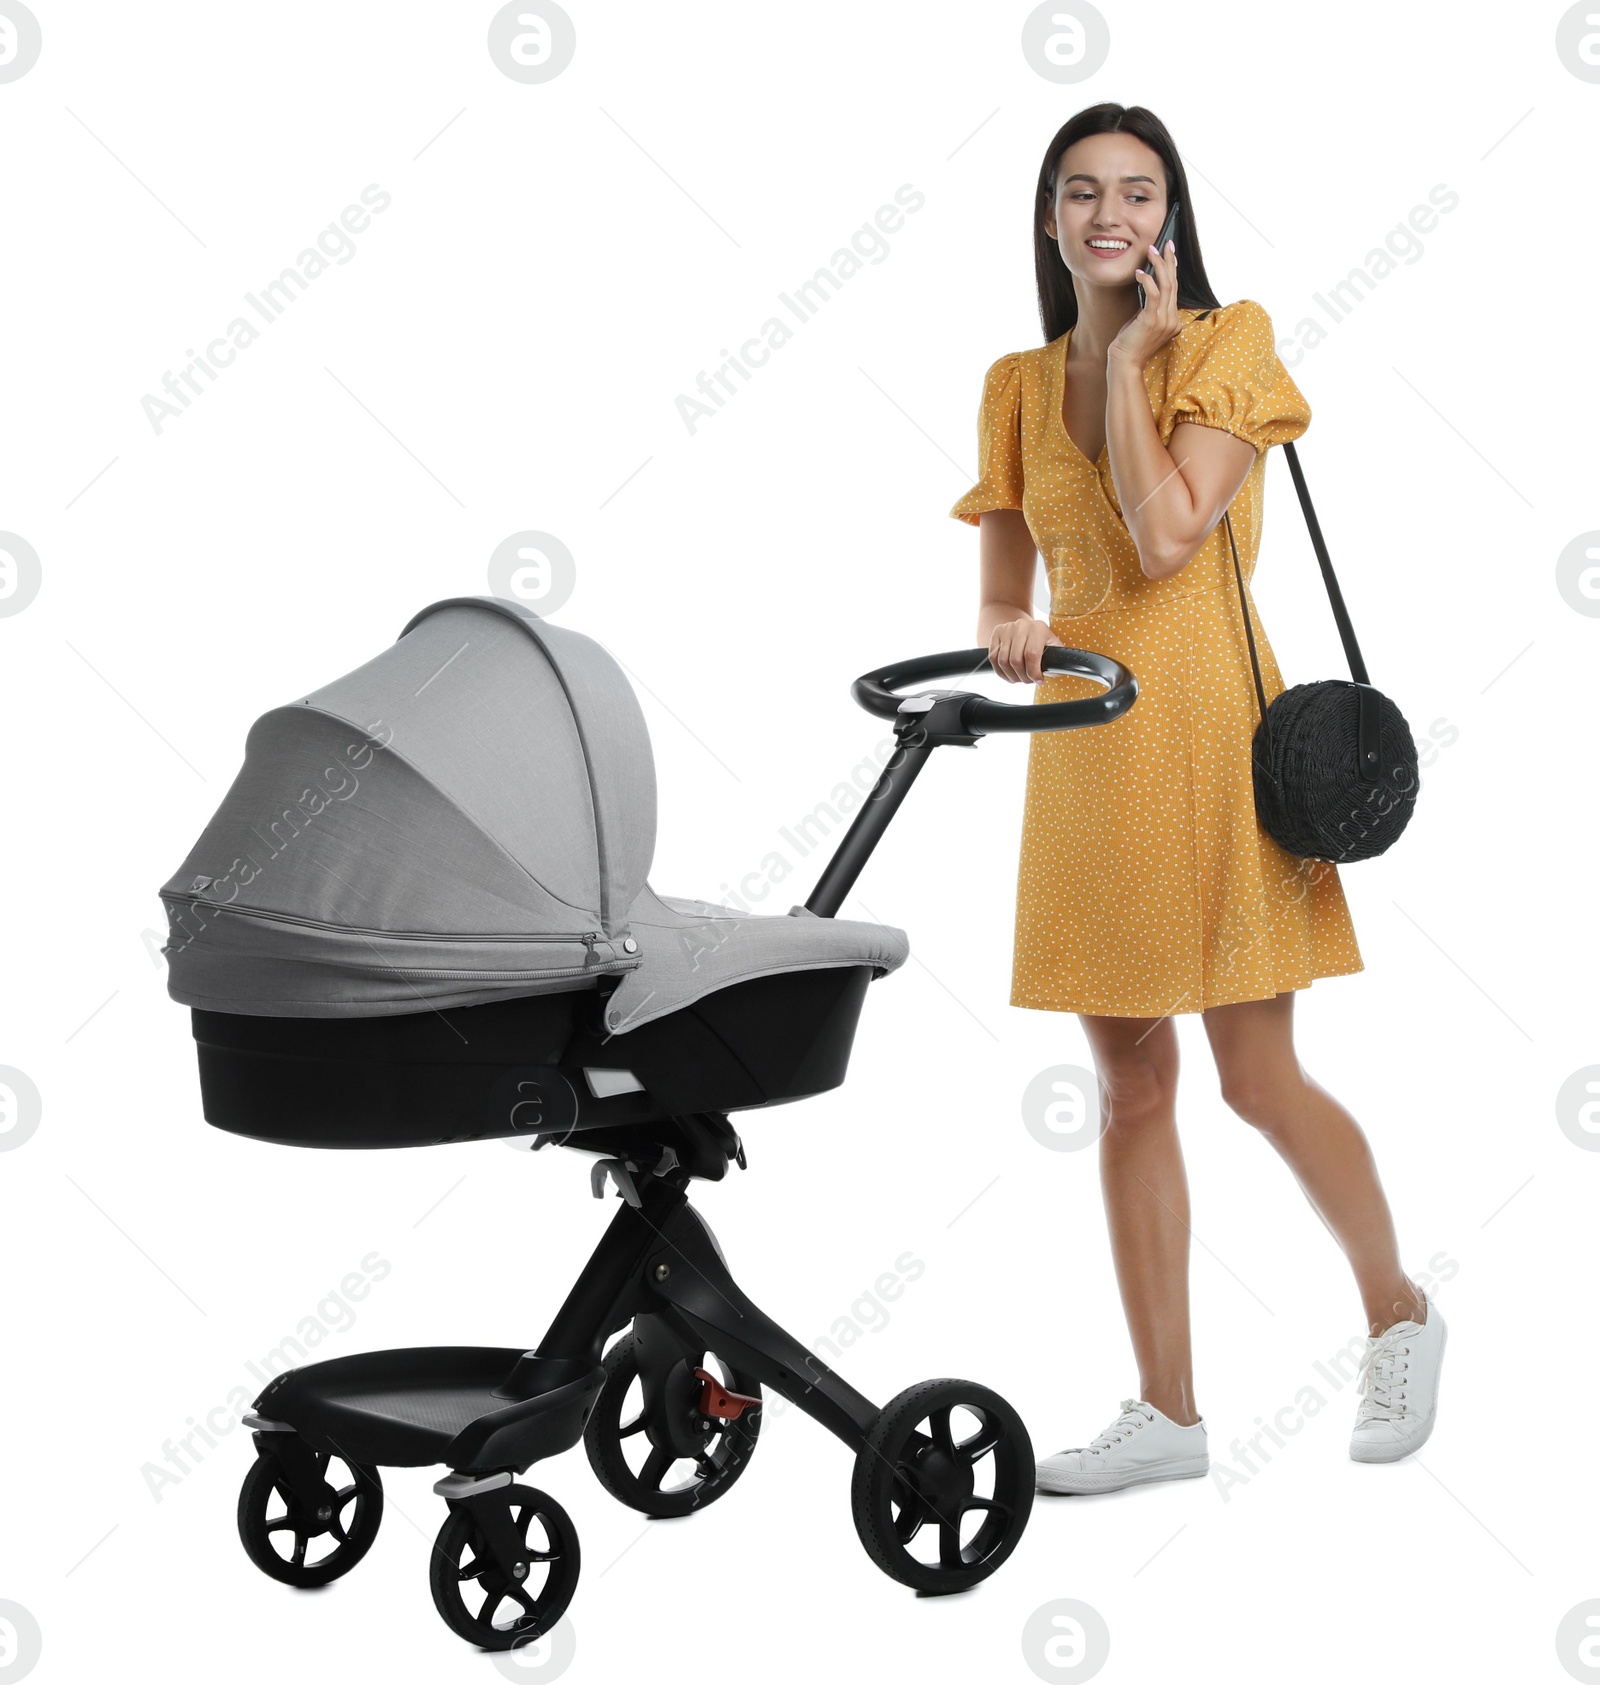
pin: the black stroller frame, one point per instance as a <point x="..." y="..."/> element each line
<point x="488" y="1414"/>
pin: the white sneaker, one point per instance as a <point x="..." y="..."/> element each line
<point x="1140" y="1445"/>
<point x="1399" y="1377"/>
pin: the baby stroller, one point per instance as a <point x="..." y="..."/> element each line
<point x="421" y="915"/>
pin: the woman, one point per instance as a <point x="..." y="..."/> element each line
<point x="1146" y="886"/>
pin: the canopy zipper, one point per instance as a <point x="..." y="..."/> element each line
<point x="587" y="937"/>
<point x="422" y="974"/>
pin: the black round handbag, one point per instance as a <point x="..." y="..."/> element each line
<point x="1335" y="766"/>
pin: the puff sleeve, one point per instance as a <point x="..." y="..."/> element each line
<point x="999" y="443"/>
<point x="1226" y="373"/>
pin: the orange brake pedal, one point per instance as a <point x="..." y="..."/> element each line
<point x="716" y="1400"/>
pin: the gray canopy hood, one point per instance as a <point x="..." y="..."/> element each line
<point x="470" y="816"/>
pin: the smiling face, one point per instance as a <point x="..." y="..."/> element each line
<point x="1110" y="202"/>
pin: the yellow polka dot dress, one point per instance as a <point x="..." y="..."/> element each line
<point x="1145" y="884"/>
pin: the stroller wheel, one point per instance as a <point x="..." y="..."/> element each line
<point x="942" y="1489"/>
<point x="277" y="1527"/>
<point x="680" y="1432"/>
<point x="470" y="1588"/>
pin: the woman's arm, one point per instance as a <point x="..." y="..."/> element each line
<point x="1171" y="499"/>
<point x="1007" y="557"/>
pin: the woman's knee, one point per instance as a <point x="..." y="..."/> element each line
<point x="1256" y="1096"/>
<point x="1136" y="1088"/>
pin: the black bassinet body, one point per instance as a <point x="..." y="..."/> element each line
<point x="421" y="915"/>
<point x="538" y="1065"/>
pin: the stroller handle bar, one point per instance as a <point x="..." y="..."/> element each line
<point x="928" y="718"/>
<point x="876" y="691"/>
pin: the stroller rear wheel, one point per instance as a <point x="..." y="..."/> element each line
<point x="277" y="1524"/>
<point x="532" y="1591"/>
<point x="936" y="1511"/>
<point x="717" y="1442"/>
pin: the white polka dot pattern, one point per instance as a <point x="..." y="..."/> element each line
<point x="1145" y="884"/>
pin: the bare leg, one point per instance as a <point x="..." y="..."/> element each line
<point x="1147" y="1201"/>
<point x="1262" y="1080"/>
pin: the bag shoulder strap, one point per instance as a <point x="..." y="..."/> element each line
<point x="1244" y="609"/>
<point x="1347" y="632"/>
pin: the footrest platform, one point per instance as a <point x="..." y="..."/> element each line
<point x="471" y="1407"/>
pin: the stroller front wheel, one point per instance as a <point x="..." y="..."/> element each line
<point x="935" y="1511"/>
<point x="277" y="1524"/>
<point x="472" y="1583"/>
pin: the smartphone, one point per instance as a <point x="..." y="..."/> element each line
<point x="1169" y="231"/>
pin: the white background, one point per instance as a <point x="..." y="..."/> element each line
<point x="504" y="351"/>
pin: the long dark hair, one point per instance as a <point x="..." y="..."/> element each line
<point x="1058" y="302"/>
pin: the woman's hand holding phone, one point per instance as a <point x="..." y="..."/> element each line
<point x="1144" y="334"/>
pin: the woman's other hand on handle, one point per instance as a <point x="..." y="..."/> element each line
<point x="1016" y="649"/>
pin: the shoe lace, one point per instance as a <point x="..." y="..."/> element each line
<point x="1381" y="1376"/>
<point x="1135" y="1412"/>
